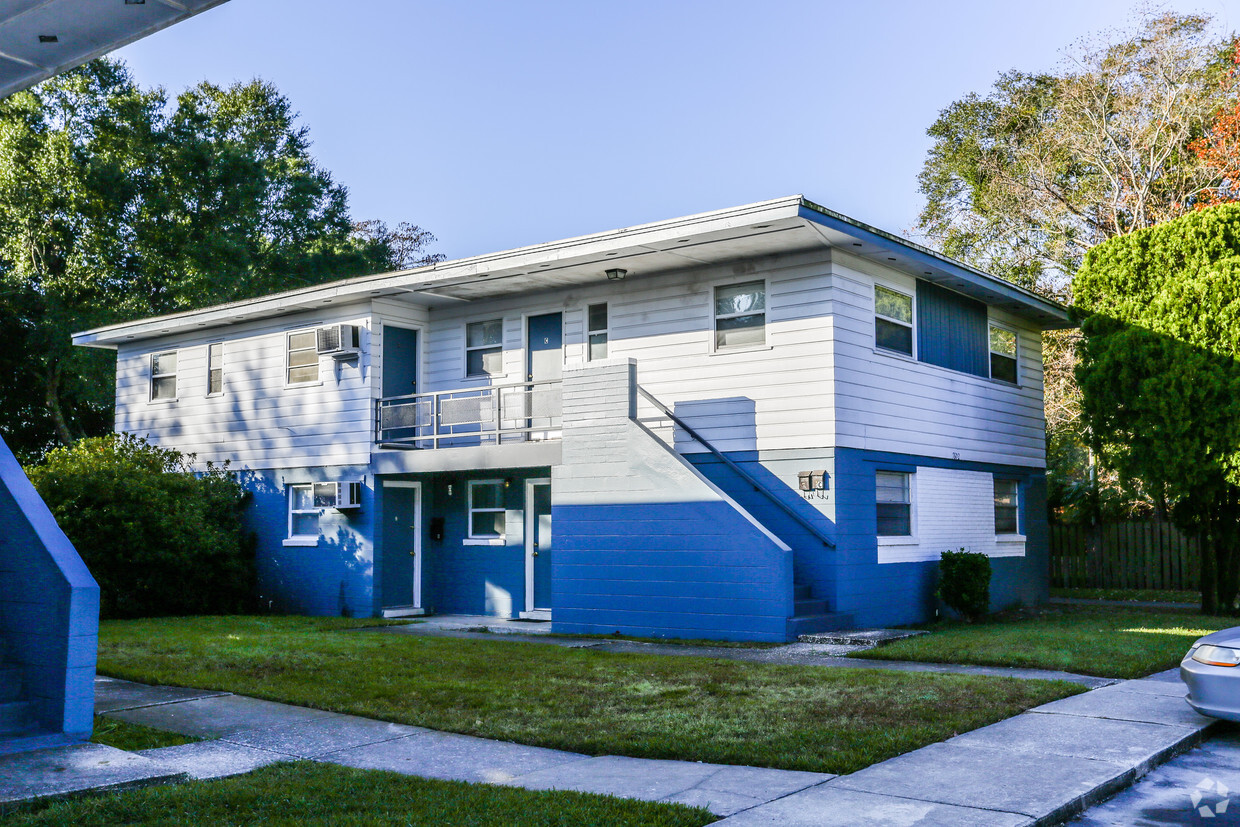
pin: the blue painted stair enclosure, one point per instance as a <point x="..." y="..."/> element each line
<point x="49" y="621"/>
<point x="646" y="544"/>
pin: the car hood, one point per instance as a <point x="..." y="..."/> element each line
<point x="1223" y="637"/>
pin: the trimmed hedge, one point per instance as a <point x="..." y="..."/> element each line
<point x="159" y="538"/>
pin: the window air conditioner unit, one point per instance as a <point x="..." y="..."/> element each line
<point x="342" y="341"/>
<point x="338" y="495"/>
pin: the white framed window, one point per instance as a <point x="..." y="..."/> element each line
<point x="1007" y="506"/>
<point x="894" y="503"/>
<point x="303" y="514"/>
<point x="302" y="365"/>
<point x="596" y="332"/>
<point x="486" y="510"/>
<point x="164" y="376"/>
<point x="1003" y="354"/>
<point x="215" y="369"/>
<point x="484" y="348"/>
<point x="740" y="315"/>
<point x="893" y="320"/>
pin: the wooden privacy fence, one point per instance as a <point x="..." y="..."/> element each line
<point x="1129" y="555"/>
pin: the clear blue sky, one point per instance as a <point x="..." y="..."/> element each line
<point x="501" y="124"/>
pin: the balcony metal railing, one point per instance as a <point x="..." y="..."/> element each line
<point x="480" y="416"/>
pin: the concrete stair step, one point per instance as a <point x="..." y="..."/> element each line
<point x="826" y="622"/>
<point x="15" y="717"/>
<point x="807" y="607"/>
<point x="10" y="683"/>
<point x="801" y="591"/>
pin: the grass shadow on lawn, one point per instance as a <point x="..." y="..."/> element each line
<point x="1107" y="641"/>
<point x="643" y="705"/>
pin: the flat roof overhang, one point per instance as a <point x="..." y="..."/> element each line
<point x="42" y="38"/>
<point x="782" y="226"/>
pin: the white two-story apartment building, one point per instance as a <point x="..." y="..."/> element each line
<point x="749" y="423"/>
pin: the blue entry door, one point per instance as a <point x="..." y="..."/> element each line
<point x="538" y="547"/>
<point x="545" y="354"/>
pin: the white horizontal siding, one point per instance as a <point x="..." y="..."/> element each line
<point x="667" y="326"/>
<point x="257" y="422"/>
<point x="886" y="402"/>
<point x="952" y="510"/>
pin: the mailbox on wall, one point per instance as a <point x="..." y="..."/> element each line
<point x="812" y="480"/>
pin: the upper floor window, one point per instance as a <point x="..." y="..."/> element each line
<point x="894" y="511"/>
<point x="303" y="358"/>
<point x="893" y="320"/>
<point x="486" y="509"/>
<point x="484" y="348"/>
<point x="164" y="375"/>
<point x="1002" y="354"/>
<point x="215" y="369"/>
<point x="1007" y="505"/>
<point x="596" y="333"/>
<point x="740" y="315"/>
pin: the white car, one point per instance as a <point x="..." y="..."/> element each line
<point x="1212" y="671"/>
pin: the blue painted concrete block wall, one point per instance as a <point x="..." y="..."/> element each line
<point x="470" y="579"/>
<point x="644" y="544"/>
<point x="900" y="593"/>
<point x="814" y="564"/>
<point x="334" y="577"/>
<point x="49" y="607"/>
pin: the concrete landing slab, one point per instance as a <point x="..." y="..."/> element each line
<point x="50" y="773"/>
<point x="320" y="736"/>
<point x="445" y="755"/>
<point x="1120" y="702"/>
<point x="830" y="806"/>
<point x="218" y="716"/>
<point x="112" y="694"/>
<point x="721" y="789"/>
<point x="1019" y="783"/>
<point x="862" y="637"/>
<point x="213" y="759"/>
<point x="1124" y="743"/>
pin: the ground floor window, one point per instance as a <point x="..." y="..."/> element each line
<point x="895" y="505"/>
<point x="1007" y="505"/>
<point x="303" y="515"/>
<point x="486" y="509"/>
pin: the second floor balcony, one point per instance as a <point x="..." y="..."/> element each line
<point x="501" y="414"/>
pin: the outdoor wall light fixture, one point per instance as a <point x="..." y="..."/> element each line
<point x="508" y="482"/>
<point x="616" y="274"/>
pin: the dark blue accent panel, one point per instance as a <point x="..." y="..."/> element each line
<point x="671" y="569"/>
<point x="951" y="330"/>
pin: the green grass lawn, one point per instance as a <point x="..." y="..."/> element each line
<point x="697" y="709"/>
<point x="134" y="737"/>
<point x="1109" y="641"/>
<point x="304" y="793"/>
<point x="1146" y="595"/>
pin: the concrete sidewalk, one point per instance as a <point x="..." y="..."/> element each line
<point x="1040" y="767"/>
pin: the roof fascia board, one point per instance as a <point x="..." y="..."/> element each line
<point x="639" y="239"/>
<point x="984" y="281"/>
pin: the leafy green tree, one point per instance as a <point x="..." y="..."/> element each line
<point x="160" y="539"/>
<point x="1023" y="179"/>
<point x="1160" y="378"/>
<point x="116" y="205"/>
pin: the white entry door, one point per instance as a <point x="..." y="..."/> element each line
<point x="538" y="549"/>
